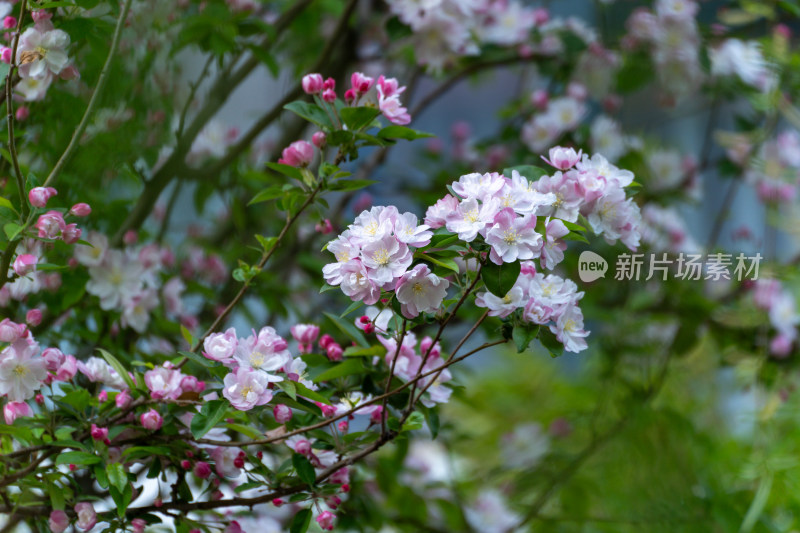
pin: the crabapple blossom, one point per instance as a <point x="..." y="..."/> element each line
<point x="501" y="307"/>
<point x="470" y="217"/>
<point x="246" y="388"/>
<point x="512" y="237"/>
<point x="98" y="433"/>
<point x="436" y="215"/>
<point x="87" y="517"/>
<point x="553" y="247"/>
<point x="325" y="520"/>
<point x="386" y="259"/>
<point x="265" y="352"/>
<point x="563" y="158"/>
<point x="42" y="53"/>
<point x="221" y="346"/>
<point x="420" y="291"/>
<point x="33" y="317"/>
<point x="163" y="383"/>
<point x="22" y="370"/>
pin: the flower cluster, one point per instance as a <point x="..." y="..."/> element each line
<point x="670" y="32"/>
<point x="545" y="300"/>
<point x="447" y="29"/>
<point x="129" y="280"/>
<point x="255" y="362"/>
<point x="375" y="253"/>
<point x="743" y="59"/>
<point x="386" y="95"/>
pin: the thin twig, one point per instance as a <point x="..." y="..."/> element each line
<point x="98" y="90"/>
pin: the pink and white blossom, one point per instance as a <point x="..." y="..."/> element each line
<point x="420" y="291"/>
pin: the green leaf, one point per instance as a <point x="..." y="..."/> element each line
<point x="305" y="392"/>
<point x="208" y="417"/>
<point x="288" y="387"/>
<point x="301" y="521"/>
<point x="4" y="202"/>
<point x="414" y="422"/>
<point x="356" y="118"/>
<point x="117" y="476"/>
<point x="432" y="418"/>
<point x="56" y="494"/>
<point x="78" y="399"/>
<point x="267" y="243"/>
<point x="550" y="342"/>
<point x="354" y="351"/>
<point x="121" y="498"/>
<point x="304" y="469"/>
<point x="352" y="307"/>
<point x="350" y="185"/>
<point x="199" y="359"/>
<point x="12" y="230"/>
<point x="345" y="368"/>
<point x="311" y="112"/>
<point x="500" y="278"/>
<point x="402" y="132"/>
<point x="523" y="335"/>
<point x="270" y="193"/>
<point x="116" y="365"/>
<point x="244" y="430"/>
<point x="527" y="171"/>
<point x="348" y="328"/>
<point x="77" y="458"/>
<point x="286" y="170"/>
<point x="442" y="262"/>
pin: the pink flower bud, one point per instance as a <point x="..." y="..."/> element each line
<point x="80" y="210"/>
<point x="282" y="413"/>
<point x="360" y="83"/>
<point x="38" y="196"/>
<point x="33" y="317"/>
<point x="10" y="331"/>
<point x="25" y="264"/>
<point x="325" y="340"/>
<point x="334" y="352"/>
<point x="238" y="462"/>
<point x="103" y="396"/>
<point x="350" y="96"/>
<point x="39" y="398"/>
<point x="325" y="227"/>
<point x="99" y="433"/>
<point x="217" y="495"/>
<point x="329" y="95"/>
<point x="312" y="83"/>
<point x="58" y="522"/>
<point x="22" y="113"/>
<point x="5" y="55"/>
<point x="71" y="234"/>
<point x="87" y="517"/>
<point x="186" y="464"/>
<point x="325" y="520"/>
<point x="319" y="139"/>
<point x="151" y="420"/>
<point x="202" y="470"/>
<point x="277" y="502"/>
<point x="123" y="399"/>
<point x="53" y="358"/>
<point x="138" y="525"/>
<point x="9" y="22"/>
<point x="14" y="410"/>
<point x="70" y="72"/>
<point x="343" y="426"/>
<point x="303" y="447"/>
<point x="130" y="237"/>
<point x="539" y="99"/>
<point x="376" y="415"/>
<point x="297" y="154"/>
<point x="50" y="225"/>
<point x="233" y="527"/>
<point x="329" y="84"/>
<point x="327" y="410"/>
